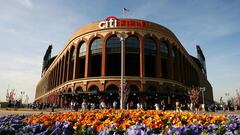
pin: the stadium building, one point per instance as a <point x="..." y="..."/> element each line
<point x="156" y="66"/>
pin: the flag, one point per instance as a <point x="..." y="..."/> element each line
<point x="125" y="10"/>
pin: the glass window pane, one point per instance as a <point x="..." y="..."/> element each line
<point x="113" y="45"/>
<point x="132" y="45"/>
<point x="96" y="46"/>
<point x="82" y="50"/>
<point x="149" y="46"/>
<point x="164" y="49"/>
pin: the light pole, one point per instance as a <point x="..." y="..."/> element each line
<point x="122" y="37"/>
<point x="227" y="96"/>
<point x="202" y="89"/>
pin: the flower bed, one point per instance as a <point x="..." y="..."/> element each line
<point x="131" y="122"/>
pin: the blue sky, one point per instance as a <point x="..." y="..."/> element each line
<point x="27" y="27"/>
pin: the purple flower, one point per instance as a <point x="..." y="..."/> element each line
<point x="233" y="126"/>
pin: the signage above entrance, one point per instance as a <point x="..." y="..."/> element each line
<point x="113" y="22"/>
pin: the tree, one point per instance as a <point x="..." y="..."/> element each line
<point x="10" y="95"/>
<point x="238" y="96"/>
<point x="126" y="91"/>
<point x="194" y="95"/>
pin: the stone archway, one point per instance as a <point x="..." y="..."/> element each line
<point x="134" y="95"/>
<point x="92" y="95"/>
<point x="112" y="94"/>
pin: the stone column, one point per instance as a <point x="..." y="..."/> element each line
<point x="87" y="64"/>
<point x="75" y="63"/>
<point x="103" y="66"/>
<point x="170" y="63"/>
<point x="63" y="68"/>
<point x="68" y="65"/>
<point x="60" y="72"/>
<point x="160" y="59"/>
<point x="142" y="58"/>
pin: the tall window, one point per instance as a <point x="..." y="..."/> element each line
<point x="164" y="49"/>
<point x="174" y="53"/>
<point x="96" y="57"/>
<point x="70" y="66"/>
<point x="164" y="59"/>
<point x="132" y="59"/>
<point x="72" y="54"/>
<point x="150" y="57"/>
<point x="80" y="64"/>
<point x="113" y="56"/>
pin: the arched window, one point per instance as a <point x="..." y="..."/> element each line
<point x="112" y="89"/>
<point x="95" y="61"/>
<point x="164" y="59"/>
<point x="79" y="89"/>
<point x="82" y="50"/>
<point x="72" y="54"/>
<point x="150" y="57"/>
<point x="113" y="50"/>
<point x="113" y="45"/>
<point x="70" y="66"/>
<point x="96" y="46"/>
<point x="174" y="52"/>
<point x="164" y="49"/>
<point x="132" y="57"/>
<point x="149" y="46"/>
<point x="132" y="45"/>
<point x="93" y="89"/>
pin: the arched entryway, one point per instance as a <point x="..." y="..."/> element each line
<point x="134" y="95"/>
<point x="92" y="95"/>
<point x="152" y="96"/>
<point x="112" y="94"/>
<point x="79" y="95"/>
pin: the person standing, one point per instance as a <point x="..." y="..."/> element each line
<point x="103" y="105"/>
<point x="84" y="105"/>
<point x="177" y="106"/>
<point x="115" y="104"/>
<point x="92" y="106"/>
<point x="71" y="105"/>
<point x="131" y="105"/>
<point x="163" y="105"/>
<point x="156" y="106"/>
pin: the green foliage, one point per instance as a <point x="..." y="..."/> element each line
<point x="4" y="104"/>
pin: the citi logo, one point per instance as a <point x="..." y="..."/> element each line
<point x="113" y="22"/>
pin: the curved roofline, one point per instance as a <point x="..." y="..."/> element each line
<point x="126" y="19"/>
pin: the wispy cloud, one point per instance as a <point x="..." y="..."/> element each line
<point x="26" y="3"/>
<point x="8" y="30"/>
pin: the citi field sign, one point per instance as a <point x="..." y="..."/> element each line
<point x="113" y="22"/>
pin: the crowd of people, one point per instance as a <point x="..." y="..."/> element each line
<point x="75" y="105"/>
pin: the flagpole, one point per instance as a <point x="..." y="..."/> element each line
<point x="123" y="13"/>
